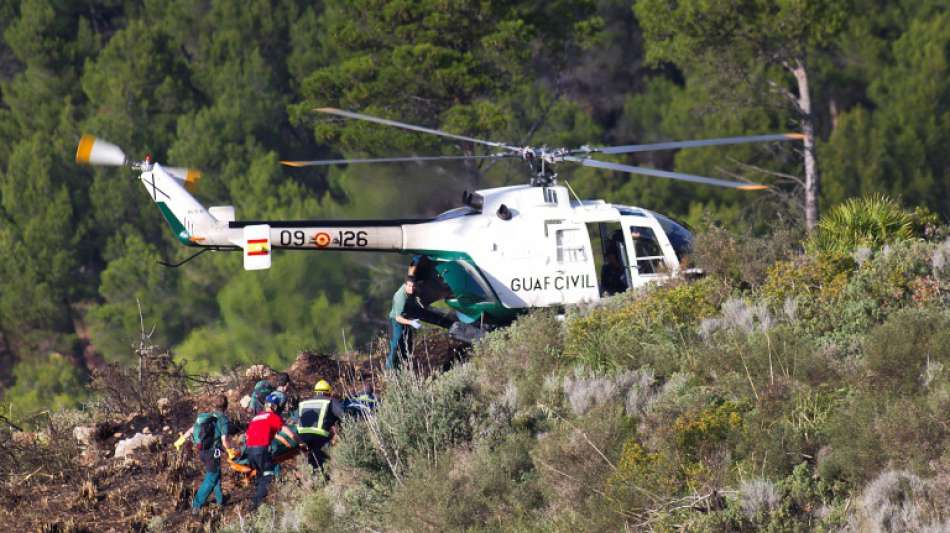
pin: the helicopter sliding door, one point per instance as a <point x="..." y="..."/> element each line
<point x="575" y="280"/>
<point x="564" y="275"/>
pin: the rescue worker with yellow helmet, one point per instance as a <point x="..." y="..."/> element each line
<point x="318" y="417"/>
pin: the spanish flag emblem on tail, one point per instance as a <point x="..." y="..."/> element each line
<point x="257" y="247"/>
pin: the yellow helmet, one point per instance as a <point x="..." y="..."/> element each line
<point x="323" y="386"/>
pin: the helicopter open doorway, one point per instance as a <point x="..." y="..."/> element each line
<point x="611" y="261"/>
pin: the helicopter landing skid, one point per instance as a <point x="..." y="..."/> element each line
<point x="465" y="332"/>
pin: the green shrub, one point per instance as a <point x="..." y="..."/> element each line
<point x="797" y="502"/>
<point x="50" y="382"/>
<point x="766" y="366"/>
<point x="806" y="285"/>
<point x="742" y="259"/>
<point x="586" y="389"/>
<point x="696" y="433"/>
<point x="871" y="221"/>
<point x="574" y="462"/>
<point x="888" y="281"/>
<point x="854" y="452"/>
<point x="835" y="300"/>
<point x="521" y="356"/>
<point x="417" y="420"/>
<point x="646" y="327"/>
<point x="488" y="489"/>
<point x="898" y="352"/>
<point x="901" y="501"/>
<point x="692" y="454"/>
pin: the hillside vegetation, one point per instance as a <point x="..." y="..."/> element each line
<point x="811" y="397"/>
<point x="808" y="392"/>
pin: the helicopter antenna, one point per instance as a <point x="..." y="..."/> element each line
<point x="576" y="197"/>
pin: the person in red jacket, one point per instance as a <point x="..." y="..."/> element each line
<point x="260" y="433"/>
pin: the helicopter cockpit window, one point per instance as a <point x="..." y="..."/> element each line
<point x="571" y="246"/>
<point x="680" y="237"/>
<point x="647" y="248"/>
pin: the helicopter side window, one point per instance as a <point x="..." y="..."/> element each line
<point x="570" y="246"/>
<point x="647" y="248"/>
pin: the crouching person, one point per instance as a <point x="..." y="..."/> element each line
<point x="318" y="416"/>
<point x="260" y="435"/>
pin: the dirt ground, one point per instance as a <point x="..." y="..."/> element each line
<point x="101" y="493"/>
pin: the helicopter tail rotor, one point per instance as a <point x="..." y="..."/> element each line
<point x="96" y="152"/>
<point x="188" y="176"/>
<point x="93" y="151"/>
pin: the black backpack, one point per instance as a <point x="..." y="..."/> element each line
<point x="261" y="389"/>
<point x="205" y="429"/>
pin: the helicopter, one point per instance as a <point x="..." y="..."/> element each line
<point x="503" y="251"/>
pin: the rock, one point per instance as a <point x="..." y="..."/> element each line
<point x="24" y="438"/>
<point x="124" y="448"/>
<point x="258" y="372"/>
<point x="84" y="435"/>
<point x="89" y="456"/>
<point x="164" y="406"/>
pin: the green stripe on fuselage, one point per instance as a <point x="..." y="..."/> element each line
<point x="464" y="301"/>
<point x="177" y="227"/>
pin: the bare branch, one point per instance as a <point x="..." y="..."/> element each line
<point x="786" y="93"/>
<point x="756" y="168"/>
<point x="11" y="424"/>
<point x="628" y="514"/>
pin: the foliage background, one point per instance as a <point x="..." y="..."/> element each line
<point x="226" y="86"/>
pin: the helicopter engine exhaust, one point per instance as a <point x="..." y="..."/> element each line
<point x="473" y="200"/>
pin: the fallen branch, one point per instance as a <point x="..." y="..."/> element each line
<point x="11" y="424"/>
<point x="28" y="476"/>
<point x="626" y="514"/>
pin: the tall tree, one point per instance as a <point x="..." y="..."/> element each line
<point x="895" y="140"/>
<point x="453" y="65"/>
<point x="751" y="41"/>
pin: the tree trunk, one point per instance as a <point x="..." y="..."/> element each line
<point x="812" y="184"/>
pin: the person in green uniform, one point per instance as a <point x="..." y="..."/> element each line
<point x="210" y="433"/>
<point x="401" y="325"/>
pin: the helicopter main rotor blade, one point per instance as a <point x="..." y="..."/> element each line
<point x="410" y="159"/>
<point x="629" y="148"/>
<point x="745" y="186"/>
<point x="403" y="125"/>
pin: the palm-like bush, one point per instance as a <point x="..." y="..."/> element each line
<point x="871" y="221"/>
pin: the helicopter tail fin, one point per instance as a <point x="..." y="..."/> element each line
<point x="170" y="189"/>
<point x="190" y="221"/>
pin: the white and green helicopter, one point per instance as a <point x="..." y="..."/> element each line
<point x="503" y="251"/>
